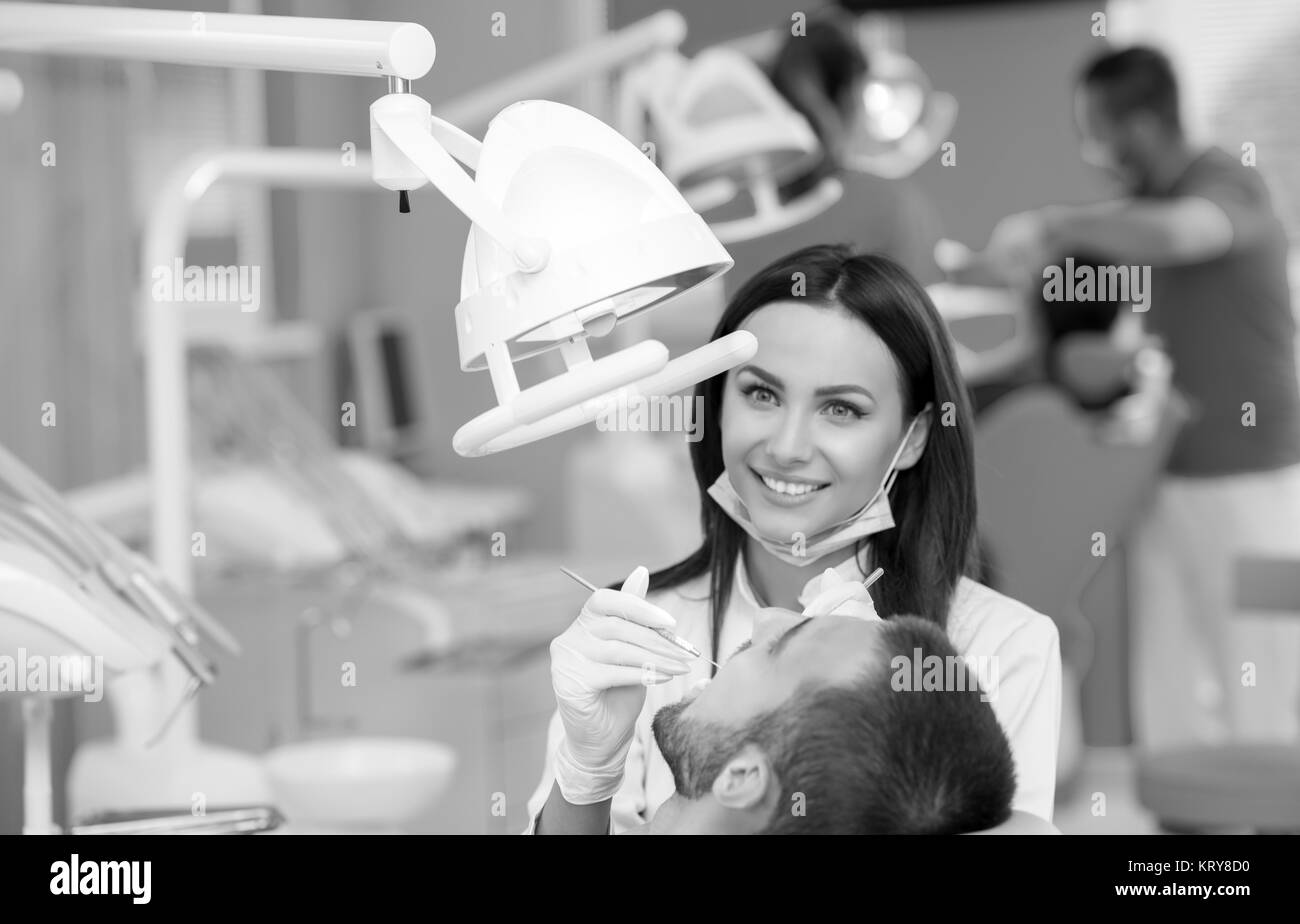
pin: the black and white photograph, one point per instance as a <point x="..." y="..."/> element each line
<point x="536" y="417"/>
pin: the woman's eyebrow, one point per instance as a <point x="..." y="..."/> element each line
<point x="780" y="643"/>
<point x="820" y="392"/>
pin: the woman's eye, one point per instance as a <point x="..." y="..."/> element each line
<point x="847" y="411"/>
<point x="757" y="393"/>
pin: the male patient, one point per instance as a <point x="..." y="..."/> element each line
<point x="806" y="731"/>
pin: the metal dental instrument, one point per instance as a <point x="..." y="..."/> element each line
<point x="675" y="639"/>
<point x="191" y="690"/>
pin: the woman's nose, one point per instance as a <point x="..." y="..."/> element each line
<point x="790" y="443"/>
<point x="772" y="622"/>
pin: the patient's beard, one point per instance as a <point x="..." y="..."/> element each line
<point x="696" y="752"/>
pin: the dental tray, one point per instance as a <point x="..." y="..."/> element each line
<point x="240" y="820"/>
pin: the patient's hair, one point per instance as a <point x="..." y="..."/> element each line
<point x="869" y="759"/>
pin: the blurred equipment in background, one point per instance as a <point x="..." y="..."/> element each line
<point x="877" y="120"/>
<point x="87" y="610"/>
<point x="902" y="120"/>
<point x="11" y="91"/>
<point x="647" y="478"/>
<point x="726" y="139"/>
<point x="1251" y="787"/>
<point x="273" y="492"/>
<point x="1097" y="352"/>
<point x="393" y="373"/>
<point x="1045" y="467"/>
<point x="872" y="106"/>
<point x="358" y="785"/>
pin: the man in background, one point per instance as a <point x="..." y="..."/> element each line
<point x="1204" y="668"/>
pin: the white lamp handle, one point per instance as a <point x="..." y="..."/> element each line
<point x="581" y="400"/>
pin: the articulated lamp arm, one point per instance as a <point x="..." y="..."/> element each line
<point x="406" y="154"/>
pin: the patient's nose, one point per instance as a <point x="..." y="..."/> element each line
<point x="772" y="622"/>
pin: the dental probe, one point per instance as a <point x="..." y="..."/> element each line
<point x="675" y="639"/>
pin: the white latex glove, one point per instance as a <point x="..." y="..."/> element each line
<point x="600" y="667"/>
<point x="838" y="596"/>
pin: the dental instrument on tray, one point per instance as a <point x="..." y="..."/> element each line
<point x="675" y="639"/>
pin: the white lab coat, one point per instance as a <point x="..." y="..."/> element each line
<point x="981" y="623"/>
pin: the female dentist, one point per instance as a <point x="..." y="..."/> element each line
<point x="853" y="394"/>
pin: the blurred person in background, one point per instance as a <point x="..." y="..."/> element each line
<point x="1203" y="670"/>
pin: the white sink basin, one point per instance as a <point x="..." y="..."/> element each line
<point x="358" y="783"/>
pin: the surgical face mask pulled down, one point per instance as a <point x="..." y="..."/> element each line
<point x="874" y="517"/>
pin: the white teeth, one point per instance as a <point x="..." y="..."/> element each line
<point x="794" y="490"/>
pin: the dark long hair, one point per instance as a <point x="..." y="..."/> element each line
<point x="931" y="546"/>
<point x="826" y="60"/>
<point x="827" y="56"/>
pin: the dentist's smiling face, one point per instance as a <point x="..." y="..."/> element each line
<point x="810" y="424"/>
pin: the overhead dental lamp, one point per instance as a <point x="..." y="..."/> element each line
<point x="723" y="134"/>
<point x="574" y="230"/>
<point x="895" y="119"/>
<point x="899" y="119"/>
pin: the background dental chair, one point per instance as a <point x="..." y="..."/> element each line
<point x="1240" y="787"/>
<point x="1049" y="485"/>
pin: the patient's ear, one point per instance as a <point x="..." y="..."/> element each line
<point x="745" y="781"/>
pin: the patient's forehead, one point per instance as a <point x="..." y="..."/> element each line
<point x="826" y="628"/>
<point x="838" y="641"/>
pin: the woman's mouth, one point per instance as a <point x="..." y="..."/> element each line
<point x="787" y="493"/>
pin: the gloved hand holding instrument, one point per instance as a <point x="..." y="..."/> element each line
<point x="602" y="663"/>
<point x="600" y="667"/>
